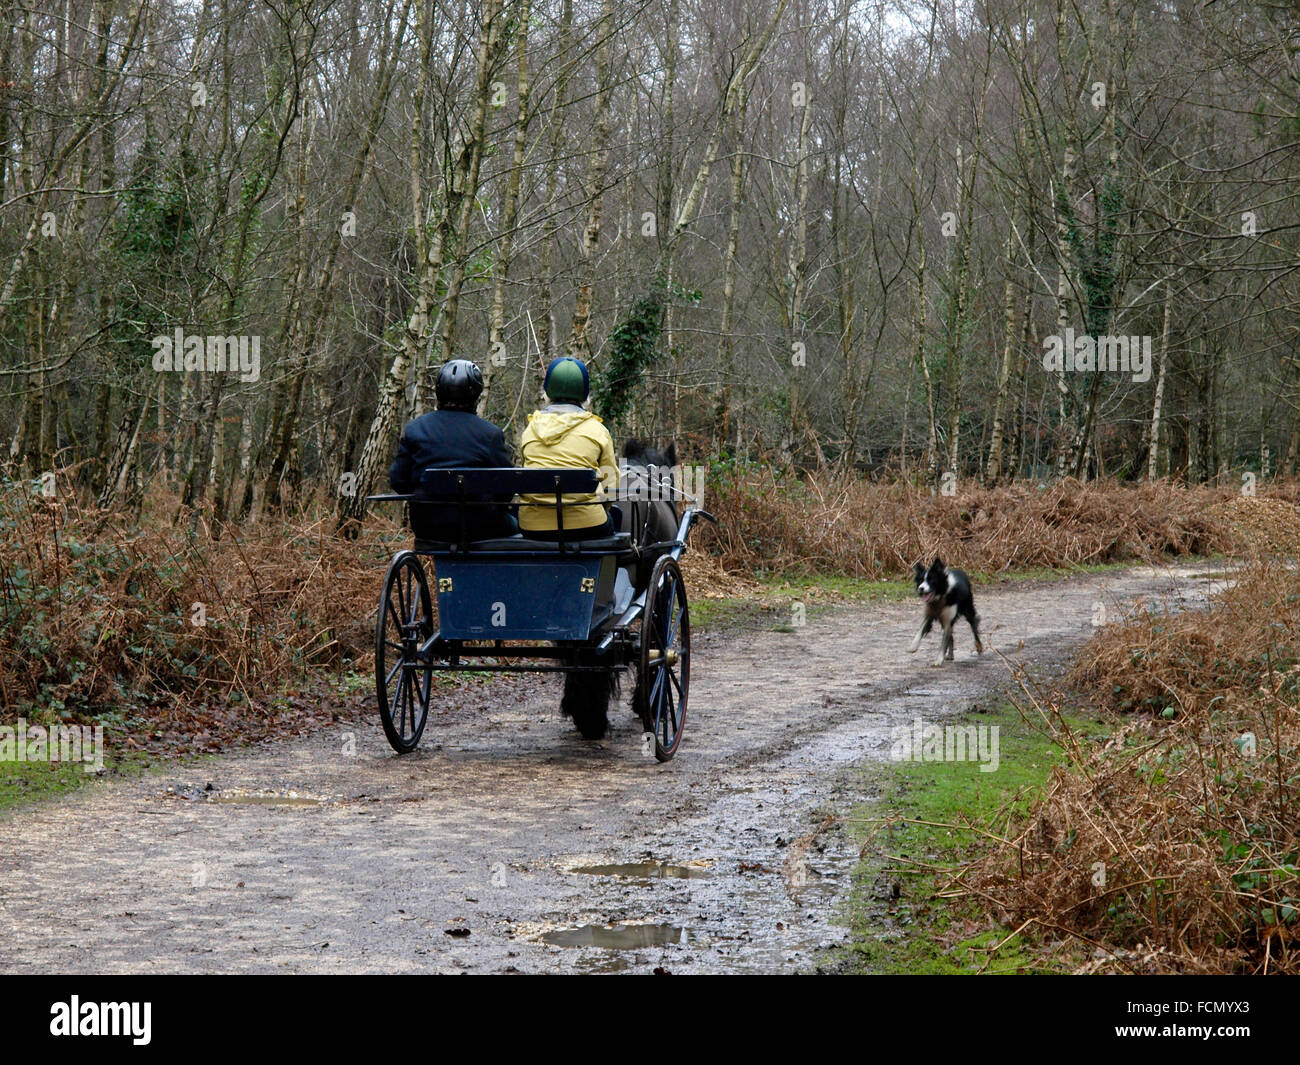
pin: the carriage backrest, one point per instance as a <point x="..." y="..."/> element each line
<point x="505" y="481"/>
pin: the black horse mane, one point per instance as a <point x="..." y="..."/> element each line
<point x="639" y="453"/>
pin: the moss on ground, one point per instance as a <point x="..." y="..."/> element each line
<point x="914" y="842"/>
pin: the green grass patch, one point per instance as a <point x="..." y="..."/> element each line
<point x="897" y="923"/>
<point x="22" y="783"/>
<point x="736" y="615"/>
<point x="851" y="588"/>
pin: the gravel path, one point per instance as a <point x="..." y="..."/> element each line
<point x="332" y="854"/>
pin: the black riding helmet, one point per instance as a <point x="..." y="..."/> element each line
<point x="459" y="384"/>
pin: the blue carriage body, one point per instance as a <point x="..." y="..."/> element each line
<point x="528" y="597"/>
<point x="516" y="588"/>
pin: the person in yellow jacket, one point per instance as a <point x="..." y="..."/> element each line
<point x="564" y="435"/>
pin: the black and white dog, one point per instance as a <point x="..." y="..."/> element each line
<point x="946" y="594"/>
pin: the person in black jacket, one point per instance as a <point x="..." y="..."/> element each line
<point x="451" y="437"/>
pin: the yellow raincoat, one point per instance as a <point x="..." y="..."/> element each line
<point x="564" y="436"/>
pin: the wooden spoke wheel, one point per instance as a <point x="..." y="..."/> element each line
<point x="403" y="675"/>
<point x="664" y="677"/>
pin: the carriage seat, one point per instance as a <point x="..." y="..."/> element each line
<point x="472" y="483"/>
<point x="606" y="545"/>
<point x="480" y="486"/>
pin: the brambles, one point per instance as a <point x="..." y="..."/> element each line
<point x="1176" y="845"/>
<point x="835" y="525"/>
<point x="98" y="618"/>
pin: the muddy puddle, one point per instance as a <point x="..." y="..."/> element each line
<point x="617" y="937"/>
<point x="644" y="870"/>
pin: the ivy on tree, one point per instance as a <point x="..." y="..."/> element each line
<point x="633" y="348"/>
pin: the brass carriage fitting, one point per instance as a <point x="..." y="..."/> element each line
<point x="671" y="659"/>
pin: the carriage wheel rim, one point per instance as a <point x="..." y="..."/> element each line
<point x="665" y="667"/>
<point x="403" y="674"/>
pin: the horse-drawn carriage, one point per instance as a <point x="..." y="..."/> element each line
<point x="593" y="609"/>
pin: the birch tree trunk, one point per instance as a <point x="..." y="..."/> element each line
<point x="492" y="43"/>
<point x="510" y="211"/>
<point x="737" y="92"/>
<point x="1153" y="438"/>
<point x="993" y="470"/>
<point x="578" y="346"/>
<point x="1063" y="288"/>
<point x="959" y="301"/>
<point x="797" y="275"/>
<point x="726" y="338"/>
<point x="545" y="325"/>
<point x="383" y="426"/>
<point x="919" y="316"/>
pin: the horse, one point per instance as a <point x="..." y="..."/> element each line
<point x="646" y="476"/>
<point x="649" y="477"/>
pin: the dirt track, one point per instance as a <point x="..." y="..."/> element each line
<point x="333" y="856"/>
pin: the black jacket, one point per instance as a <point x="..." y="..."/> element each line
<point x="447" y="439"/>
